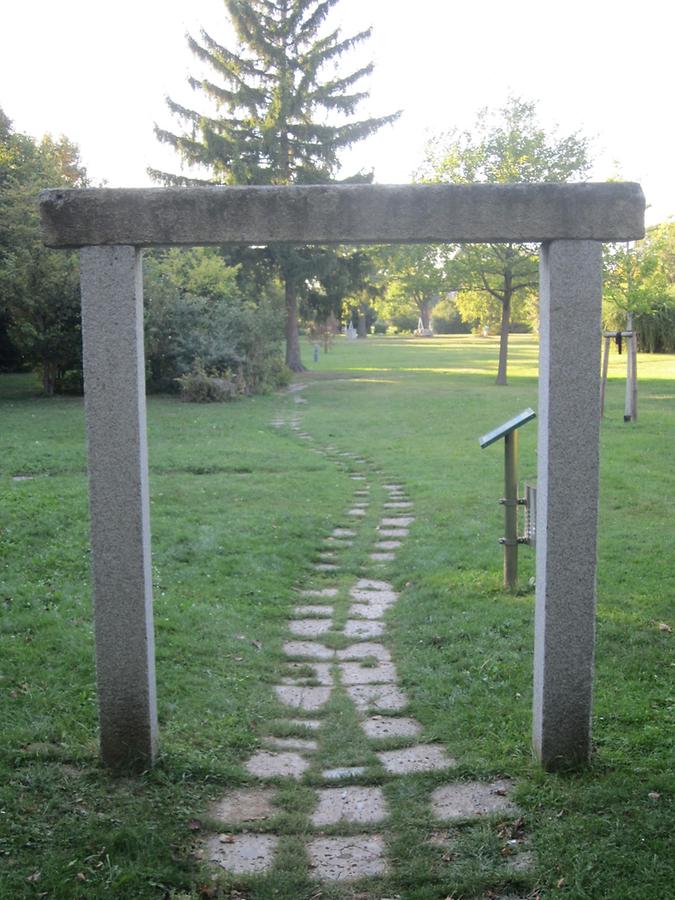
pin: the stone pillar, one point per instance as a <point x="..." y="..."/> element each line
<point x="114" y="382"/>
<point x="567" y="500"/>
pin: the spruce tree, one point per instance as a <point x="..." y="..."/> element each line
<point x="282" y="115"/>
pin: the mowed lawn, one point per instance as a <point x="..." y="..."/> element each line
<point x="239" y="509"/>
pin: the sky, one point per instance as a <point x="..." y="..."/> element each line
<point x="99" y="73"/>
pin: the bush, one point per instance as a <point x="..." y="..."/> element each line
<point x="198" y="386"/>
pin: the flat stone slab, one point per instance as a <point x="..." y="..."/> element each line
<point x="302" y="746"/>
<point x="369" y="610"/>
<point x="325" y="567"/>
<point x="344" y="772"/>
<point x="393" y="487"/>
<point x="309" y="724"/>
<point x="270" y="764"/>
<point x="365" y="649"/>
<point x="243" y="854"/>
<point x="356" y="628"/>
<point x="244" y="805"/>
<point x="327" y="554"/>
<point x="391" y="727"/>
<point x="347" y="858"/>
<point x="366" y="596"/>
<point x="397" y="521"/>
<point x="320" y="592"/>
<point x="356" y="512"/>
<point x="310" y="610"/>
<point x="309" y="627"/>
<point x="471" y="799"/>
<point x="387" y="545"/>
<point x="308" y="699"/>
<point x="363" y="492"/>
<point x="372" y="584"/>
<point x="321" y="672"/>
<point x="382" y="557"/>
<point x="361" y="504"/>
<point x="343" y="532"/>
<point x="355" y="673"/>
<point x="421" y="758"/>
<point x="309" y="649"/>
<point x="398" y="504"/>
<point x="359" y="805"/>
<point x="393" y="532"/>
<point x="358" y="477"/>
<point x="377" y="697"/>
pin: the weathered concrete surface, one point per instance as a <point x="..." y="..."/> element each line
<point x="421" y="758"/>
<point x="567" y="499"/>
<point x="347" y="858"/>
<point x="243" y="854"/>
<point x="245" y="805"/>
<point x="114" y="388"/>
<point x="335" y="214"/>
<point x="359" y="805"/>
<point x="469" y="799"/>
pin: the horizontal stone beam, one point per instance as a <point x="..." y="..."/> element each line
<point x="342" y="214"/>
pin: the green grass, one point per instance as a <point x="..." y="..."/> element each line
<point x="238" y="513"/>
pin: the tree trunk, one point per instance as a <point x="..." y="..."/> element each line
<point x="48" y="378"/>
<point x="293" y="360"/>
<point x="504" y="336"/>
<point x="425" y="314"/>
<point x="362" y="326"/>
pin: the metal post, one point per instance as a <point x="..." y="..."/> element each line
<point x="628" y="404"/>
<point x="511" y="511"/>
<point x="605" y="366"/>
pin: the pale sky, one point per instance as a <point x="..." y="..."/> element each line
<point x="99" y="72"/>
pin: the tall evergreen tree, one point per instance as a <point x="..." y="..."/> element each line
<point x="282" y="115"/>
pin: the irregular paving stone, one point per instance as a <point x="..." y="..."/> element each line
<point x="269" y="764"/>
<point x="393" y="532"/>
<point x="310" y="724"/>
<point x="391" y="727"/>
<point x="377" y="697"/>
<point x="309" y="699"/>
<point x="322" y="592"/>
<point x="398" y="504"/>
<point x="402" y="521"/>
<point x="327" y="554"/>
<point x="355" y="673"/>
<point x="367" y="648"/>
<point x="358" y="477"/>
<point x="343" y="532"/>
<point x="302" y="746"/>
<point x="361" y="504"/>
<point x="244" y="805"/>
<point x="393" y="487"/>
<point x="347" y="858"/>
<point x="345" y="772"/>
<point x="356" y="628"/>
<point x="350" y="804"/>
<point x="313" y="611"/>
<point x="310" y="649"/>
<point x="325" y="567"/>
<point x="382" y="557"/>
<point x="379" y="597"/>
<point x="387" y="545"/>
<point x="369" y="610"/>
<point x="363" y="492"/>
<point x="356" y="512"/>
<point x="243" y="854"/>
<point x="470" y="799"/>
<point x="321" y="672"/>
<point x="421" y="758"/>
<point x="372" y="584"/>
<point x="309" y="627"/>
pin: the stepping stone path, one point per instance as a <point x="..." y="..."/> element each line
<point x="336" y="645"/>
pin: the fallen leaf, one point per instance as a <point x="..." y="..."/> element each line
<point x="560" y="883"/>
<point x="226" y="838"/>
<point x="663" y="626"/>
<point x="257" y="645"/>
<point x="81" y="876"/>
<point x="654" y="795"/>
<point x="35" y="877"/>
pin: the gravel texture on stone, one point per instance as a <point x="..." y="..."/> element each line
<point x="391" y="727"/>
<point x="313" y="610"/>
<point x="355" y="673"/>
<point x="397" y="521"/>
<point x="307" y="699"/>
<point x="347" y="858"/>
<point x="382" y="557"/>
<point x="320" y="592"/>
<point x="243" y="854"/>
<point x="355" y="805"/>
<point x="369" y="610"/>
<point x="269" y="764"/>
<point x="299" y="744"/>
<point x="309" y="627"/>
<point x="244" y="805"/>
<point x="310" y="649"/>
<point x="355" y="628"/>
<point x="382" y="697"/>
<point x="300" y="673"/>
<point x="362" y="595"/>
<point x="372" y="584"/>
<point x="421" y="758"/>
<point x="471" y="799"/>
<point x="364" y="650"/>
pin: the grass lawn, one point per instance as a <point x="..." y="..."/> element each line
<point x="239" y="510"/>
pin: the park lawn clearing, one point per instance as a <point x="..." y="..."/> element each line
<point x="239" y="511"/>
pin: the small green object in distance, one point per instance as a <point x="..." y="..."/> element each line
<point x="525" y="416"/>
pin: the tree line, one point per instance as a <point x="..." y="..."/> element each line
<point x="277" y="108"/>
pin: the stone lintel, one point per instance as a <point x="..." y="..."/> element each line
<point x="336" y="214"/>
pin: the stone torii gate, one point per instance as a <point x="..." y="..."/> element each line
<point x="570" y="221"/>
